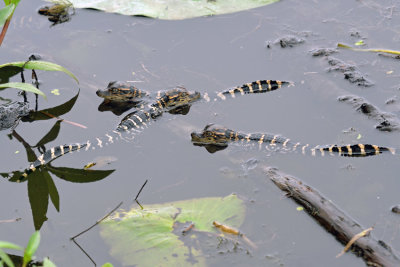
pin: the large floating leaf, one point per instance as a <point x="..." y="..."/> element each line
<point x="171" y="9"/>
<point x="147" y="237"/>
<point x="40" y="65"/>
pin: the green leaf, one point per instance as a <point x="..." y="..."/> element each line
<point x="361" y="42"/>
<point x="15" y="2"/>
<point x="5" y="13"/>
<point x="171" y="9"/>
<point x="79" y="175"/>
<point x="107" y="264"/>
<point x="32" y="246"/>
<point x="12" y="176"/>
<point x="51" y="135"/>
<point x="48" y="263"/>
<point x="55" y="111"/>
<point x="23" y="86"/>
<point x="30" y="154"/>
<point x="53" y="192"/>
<point x="38" y="194"/>
<point x="7" y="72"/>
<point x="4" y="257"/>
<point x="147" y="237"/>
<point x="8" y="245"/>
<point x="40" y="65"/>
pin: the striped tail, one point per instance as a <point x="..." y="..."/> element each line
<point x="49" y="156"/>
<point x="276" y="141"/>
<point x="259" y="86"/>
<point x="357" y="150"/>
<point x="215" y="135"/>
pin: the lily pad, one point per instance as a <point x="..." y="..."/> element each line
<point x="147" y="237"/>
<point x="171" y="9"/>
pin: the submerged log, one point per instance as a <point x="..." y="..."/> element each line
<point x="374" y="252"/>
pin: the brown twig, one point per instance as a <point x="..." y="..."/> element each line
<point x="70" y="122"/>
<point x="76" y="243"/>
<point x="97" y="222"/>
<point x="4" y="31"/>
<point x="137" y="202"/>
<point x="374" y="252"/>
<point x="140" y="190"/>
<point x="149" y="72"/>
<point x="11" y="220"/>
<point x="353" y="240"/>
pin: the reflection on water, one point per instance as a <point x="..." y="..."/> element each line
<point x="208" y="54"/>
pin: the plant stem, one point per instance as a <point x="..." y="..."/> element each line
<point x="3" y="32"/>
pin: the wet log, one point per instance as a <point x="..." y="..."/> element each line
<point x="374" y="252"/>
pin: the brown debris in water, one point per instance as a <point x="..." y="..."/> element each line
<point x="289" y="41"/>
<point x="335" y="221"/>
<point x="318" y="52"/>
<point x="387" y="122"/>
<point x="350" y="72"/>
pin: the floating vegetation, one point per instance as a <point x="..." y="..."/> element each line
<point x="394" y="52"/>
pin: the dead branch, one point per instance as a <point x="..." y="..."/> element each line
<point x="374" y="252"/>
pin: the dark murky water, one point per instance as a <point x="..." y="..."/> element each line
<point x="211" y="54"/>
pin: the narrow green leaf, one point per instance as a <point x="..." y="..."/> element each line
<point x="15" y="2"/>
<point x="53" y="192"/>
<point x="41" y="65"/>
<point x="6" y="258"/>
<point x="23" y="86"/>
<point x="5" y="244"/>
<point x="32" y="246"/>
<point x="55" y="111"/>
<point x="79" y="175"/>
<point x="51" y="135"/>
<point x="5" y="13"/>
<point x="7" y="72"/>
<point x="38" y="194"/>
<point x="48" y="263"/>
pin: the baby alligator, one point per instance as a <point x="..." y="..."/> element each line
<point x="134" y="121"/>
<point x="172" y="100"/>
<point x="118" y="91"/>
<point x="214" y="138"/>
